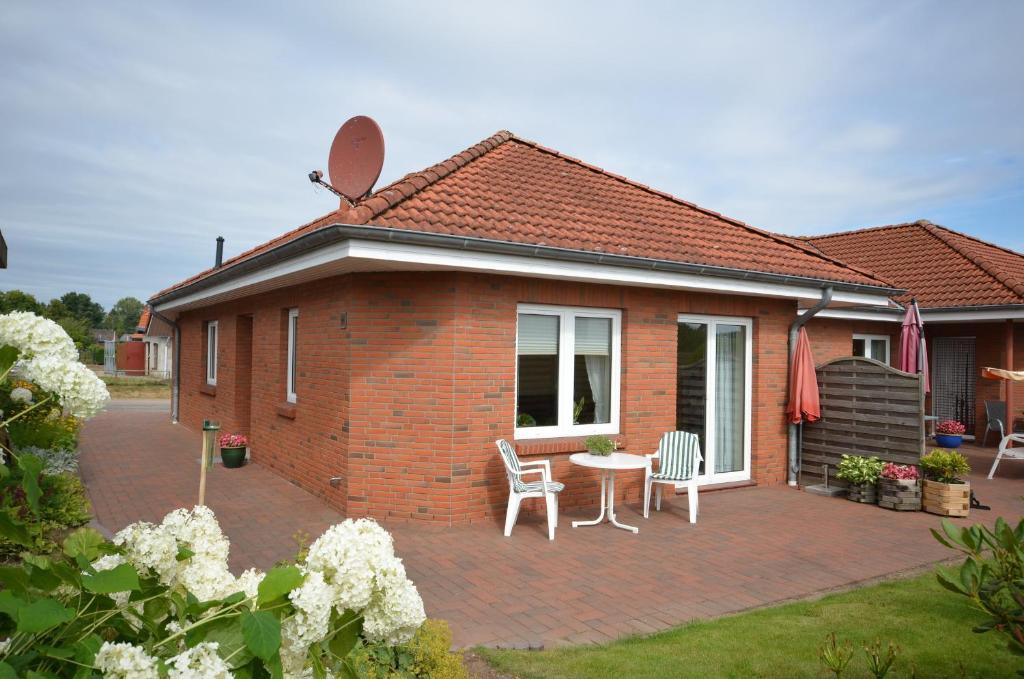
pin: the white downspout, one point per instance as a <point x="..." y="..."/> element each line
<point x="794" y="330"/>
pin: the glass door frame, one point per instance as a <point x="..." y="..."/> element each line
<point x="709" y="476"/>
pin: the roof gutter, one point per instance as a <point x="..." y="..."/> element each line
<point x="340" y="232"/>
<point x="794" y="331"/>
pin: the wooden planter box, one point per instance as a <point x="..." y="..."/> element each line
<point x="901" y="495"/>
<point x="947" y="499"/>
<point x="865" y="493"/>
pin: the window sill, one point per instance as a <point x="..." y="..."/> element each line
<point x="560" y="446"/>
<point x="208" y="389"/>
<point x="286" y="410"/>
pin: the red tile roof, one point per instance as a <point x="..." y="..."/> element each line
<point x="509" y="189"/>
<point x="939" y="266"/>
<point x="144" y="318"/>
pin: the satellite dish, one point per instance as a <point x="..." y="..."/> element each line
<point x="357" y="156"/>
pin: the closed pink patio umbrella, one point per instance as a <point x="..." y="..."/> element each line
<point x="913" y="357"/>
<point x="804" y="400"/>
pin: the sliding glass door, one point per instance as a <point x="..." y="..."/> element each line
<point x="713" y="378"/>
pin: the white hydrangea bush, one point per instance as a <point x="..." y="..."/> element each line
<point x="47" y="358"/>
<point x="350" y="569"/>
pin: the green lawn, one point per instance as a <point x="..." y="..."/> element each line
<point x="931" y="626"/>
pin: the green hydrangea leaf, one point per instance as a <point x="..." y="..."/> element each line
<point x="31" y="467"/>
<point x="14" y="530"/>
<point x="122" y="578"/>
<point x="262" y="633"/>
<point x="277" y="582"/>
<point x="42" y="615"/>
<point x="84" y="542"/>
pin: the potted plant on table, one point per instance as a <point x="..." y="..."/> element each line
<point x="862" y="474"/>
<point x="899" y="488"/>
<point x="949" y="434"/>
<point x="946" y="489"/>
<point x="600" y="445"/>
<point x="232" y="449"/>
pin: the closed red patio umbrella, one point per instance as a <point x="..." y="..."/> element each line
<point x="804" y="401"/>
<point x="913" y="357"/>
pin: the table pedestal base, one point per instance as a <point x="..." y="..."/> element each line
<point x="607" y="504"/>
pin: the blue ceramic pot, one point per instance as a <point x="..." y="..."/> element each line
<point x="948" y="440"/>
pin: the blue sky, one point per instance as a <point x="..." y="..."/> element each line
<point x="131" y="135"/>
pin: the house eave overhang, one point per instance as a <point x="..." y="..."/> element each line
<point x="407" y="250"/>
<point x="973" y="314"/>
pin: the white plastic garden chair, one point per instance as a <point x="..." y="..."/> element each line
<point x="679" y="458"/>
<point x="519" y="490"/>
<point x="1006" y="451"/>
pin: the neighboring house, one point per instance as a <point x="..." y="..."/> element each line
<point x="159" y="350"/>
<point x="971" y="296"/>
<point x="375" y="354"/>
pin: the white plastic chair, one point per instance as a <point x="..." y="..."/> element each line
<point x="679" y="460"/>
<point x="1006" y="451"/>
<point x="519" y="490"/>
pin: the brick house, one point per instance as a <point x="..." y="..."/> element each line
<point x="971" y="296"/>
<point x="375" y="354"/>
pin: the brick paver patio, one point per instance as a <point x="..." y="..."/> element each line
<point x="752" y="546"/>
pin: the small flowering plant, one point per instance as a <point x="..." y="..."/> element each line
<point x="900" y="472"/>
<point x="234" y="440"/>
<point x="950" y="428"/>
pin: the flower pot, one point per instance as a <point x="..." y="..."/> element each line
<point x="901" y="495"/>
<point x="233" y="457"/>
<point x="949" y="440"/>
<point x="862" y="492"/>
<point x="947" y="499"/>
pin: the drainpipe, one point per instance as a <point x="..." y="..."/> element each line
<point x="794" y="331"/>
<point x="176" y="377"/>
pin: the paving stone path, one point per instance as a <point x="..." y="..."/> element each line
<point x="751" y="547"/>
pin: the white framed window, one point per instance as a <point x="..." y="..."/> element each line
<point x="293" y="336"/>
<point x="714" y="377"/>
<point x="568" y="364"/>
<point x="872" y="346"/>
<point x="211" y="353"/>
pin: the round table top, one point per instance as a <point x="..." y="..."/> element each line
<point x="613" y="461"/>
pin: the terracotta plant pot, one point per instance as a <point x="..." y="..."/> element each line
<point x="862" y="492"/>
<point x="947" y="499"/>
<point x="233" y="458"/>
<point x="901" y="495"/>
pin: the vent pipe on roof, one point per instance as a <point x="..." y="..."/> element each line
<point x="220" y="253"/>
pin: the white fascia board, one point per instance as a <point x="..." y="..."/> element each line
<point x="974" y="315"/>
<point x="859" y="315"/>
<point x="597" y="273"/>
<point x="518" y="265"/>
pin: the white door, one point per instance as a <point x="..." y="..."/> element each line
<point x="713" y="391"/>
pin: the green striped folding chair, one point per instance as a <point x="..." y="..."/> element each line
<point x="519" y="490"/>
<point x="679" y="460"/>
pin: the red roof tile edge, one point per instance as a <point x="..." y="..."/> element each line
<point x="391" y="195"/>
<point x="942" y="234"/>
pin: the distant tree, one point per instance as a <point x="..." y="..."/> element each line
<point x="124" y="315"/>
<point x="16" y="300"/>
<point x="80" y="306"/>
<point x="78" y="330"/>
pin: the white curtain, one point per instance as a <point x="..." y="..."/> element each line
<point x="599" y="373"/>
<point x="730" y="344"/>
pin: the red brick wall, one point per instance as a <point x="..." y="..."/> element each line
<point x="832" y="338"/>
<point x="406" y="402"/>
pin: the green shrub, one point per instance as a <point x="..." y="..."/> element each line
<point x="51" y="433"/>
<point x="945" y="466"/>
<point x="97" y="354"/>
<point x="991" y="576"/>
<point x="427" y="656"/>
<point x="859" y="470"/>
<point x="63" y="504"/>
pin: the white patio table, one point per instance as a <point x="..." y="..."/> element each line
<point x="609" y="464"/>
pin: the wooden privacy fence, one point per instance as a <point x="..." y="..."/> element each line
<point x="867" y="408"/>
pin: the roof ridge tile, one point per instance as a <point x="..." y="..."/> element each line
<point x="978" y="259"/>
